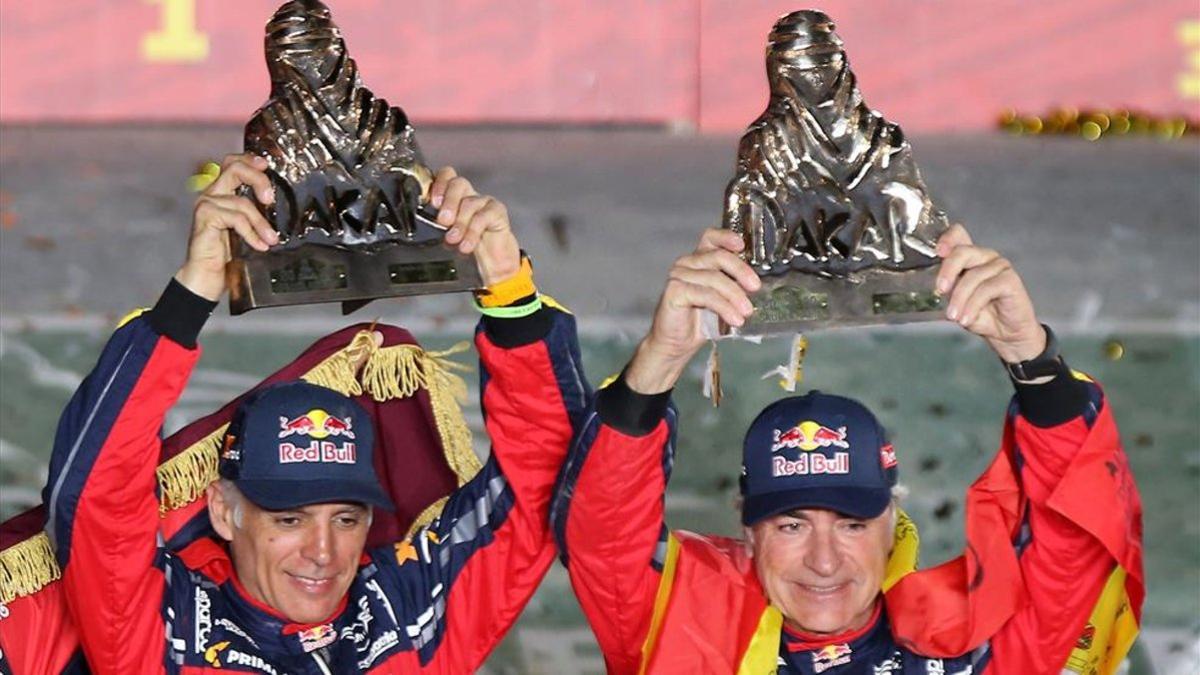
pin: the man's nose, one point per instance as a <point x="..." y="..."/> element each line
<point x="823" y="556"/>
<point x="320" y="544"/>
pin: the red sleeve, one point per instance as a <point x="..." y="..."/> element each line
<point x="37" y="636"/>
<point x="103" y="511"/>
<point x="1046" y="525"/>
<point x="1082" y="518"/>
<point x="478" y="564"/>
<point x="608" y="517"/>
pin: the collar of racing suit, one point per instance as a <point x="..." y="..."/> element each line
<point x="269" y="630"/>
<point x="873" y="639"/>
<point x="799" y="641"/>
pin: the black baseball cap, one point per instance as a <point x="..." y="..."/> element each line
<point x="294" y="443"/>
<point x="816" y="451"/>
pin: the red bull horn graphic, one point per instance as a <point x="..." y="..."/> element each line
<point x="831" y="655"/>
<point x="317" y="637"/>
<point x="809" y="435"/>
<point x="316" y="424"/>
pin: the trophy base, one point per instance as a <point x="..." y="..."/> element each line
<point x="311" y="274"/>
<point x="800" y="302"/>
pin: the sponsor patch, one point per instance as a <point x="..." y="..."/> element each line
<point x="317" y="637"/>
<point x="203" y="620"/>
<point x="887" y="456"/>
<point x="831" y="655"/>
<point x="213" y="654"/>
<point x="228" y="451"/>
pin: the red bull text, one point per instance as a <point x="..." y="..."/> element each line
<point x="317" y="451"/>
<point x="811" y="465"/>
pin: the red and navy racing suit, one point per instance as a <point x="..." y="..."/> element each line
<point x="436" y="603"/>
<point x="662" y="601"/>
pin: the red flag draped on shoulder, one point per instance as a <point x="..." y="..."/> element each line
<point x="951" y="608"/>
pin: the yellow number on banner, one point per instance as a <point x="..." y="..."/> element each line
<point x="1189" y="81"/>
<point x="176" y="40"/>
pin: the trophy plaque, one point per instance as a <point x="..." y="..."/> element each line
<point x="348" y="178"/>
<point x="836" y="219"/>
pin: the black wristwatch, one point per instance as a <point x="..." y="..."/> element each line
<point x="1048" y="363"/>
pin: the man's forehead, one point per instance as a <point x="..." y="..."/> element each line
<point x="817" y="512"/>
<point x="324" y="507"/>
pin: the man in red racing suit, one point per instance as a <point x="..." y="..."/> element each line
<point x="1053" y="526"/>
<point x="437" y="602"/>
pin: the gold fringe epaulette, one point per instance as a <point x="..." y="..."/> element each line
<point x="26" y="567"/>
<point x="183" y="478"/>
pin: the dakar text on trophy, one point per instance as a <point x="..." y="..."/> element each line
<point x="349" y="180"/>
<point x="836" y="219"/>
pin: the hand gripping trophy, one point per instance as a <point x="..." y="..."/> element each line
<point x="835" y="216"/>
<point x="348" y="177"/>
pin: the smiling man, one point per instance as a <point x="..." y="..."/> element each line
<point x="294" y="500"/>
<point x="286" y="586"/>
<point x="823" y="580"/>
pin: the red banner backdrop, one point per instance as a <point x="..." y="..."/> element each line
<point x="931" y="66"/>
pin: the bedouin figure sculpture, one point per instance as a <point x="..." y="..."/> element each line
<point x="824" y="184"/>
<point x="349" y="162"/>
<point x="349" y="181"/>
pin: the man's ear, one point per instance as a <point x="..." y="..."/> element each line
<point x="748" y="540"/>
<point x="220" y="512"/>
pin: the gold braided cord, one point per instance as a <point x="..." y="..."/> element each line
<point x="26" y="567"/>
<point x="427" y="516"/>
<point x="339" y="371"/>
<point x="183" y="478"/>
<point x="446" y="389"/>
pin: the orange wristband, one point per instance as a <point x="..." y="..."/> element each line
<point x="506" y="292"/>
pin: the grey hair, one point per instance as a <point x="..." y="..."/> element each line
<point x="899" y="492"/>
<point x="234" y="497"/>
<point x="236" y="500"/>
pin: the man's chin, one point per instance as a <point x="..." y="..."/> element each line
<point x="310" y="613"/>
<point x="822" y="625"/>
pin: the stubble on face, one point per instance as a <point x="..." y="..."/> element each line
<point x="823" y="570"/>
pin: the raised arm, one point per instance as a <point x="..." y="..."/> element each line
<point x="468" y="575"/>
<point x="103" y="511"/>
<point x="1079" y="513"/>
<point x="608" y="509"/>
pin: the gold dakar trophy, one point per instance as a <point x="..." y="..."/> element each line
<point x="349" y="182"/>
<point x="836" y="219"/>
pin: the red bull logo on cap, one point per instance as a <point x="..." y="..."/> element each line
<point x="887" y="456"/>
<point x="831" y="655"/>
<point x="316" y="423"/>
<point x="809" y="435"/>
